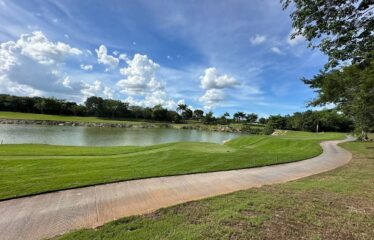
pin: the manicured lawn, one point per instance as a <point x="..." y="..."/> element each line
<point x="334" y="205"/>
<point x="33" y="116"/>
<point x="31" y="169"/>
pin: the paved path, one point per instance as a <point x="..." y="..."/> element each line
<point x="51" y="214"/>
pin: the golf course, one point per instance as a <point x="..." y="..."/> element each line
<point x="187" y="120"/>
<point x="332" y="205"/>
<point x="28" y="169"/>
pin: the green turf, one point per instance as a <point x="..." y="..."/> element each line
<point x="333" y="205"/>
<point x="47" y="117"/>
<point x="188" y="124"/>
<point x="30" y="169"/>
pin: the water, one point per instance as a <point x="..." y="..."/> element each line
<point x="86" y="136"/>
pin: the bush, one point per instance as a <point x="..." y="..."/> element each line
<point x="268" y="129"/>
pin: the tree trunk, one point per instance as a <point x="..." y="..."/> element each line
<point x="364" y="135"/>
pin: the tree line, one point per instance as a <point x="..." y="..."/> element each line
<point x="315" y="121"/>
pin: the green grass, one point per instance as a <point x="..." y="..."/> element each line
<point x="30" y="169"/>
<point x="332" y="205"/>
<point x="47" y="117"/>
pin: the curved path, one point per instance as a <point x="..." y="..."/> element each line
<point x="47" y="215"/>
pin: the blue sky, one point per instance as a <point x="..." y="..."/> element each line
<point x="215" y="55"/>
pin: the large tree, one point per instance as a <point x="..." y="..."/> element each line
<point x="251" y="117"/>
<point x="351" y="89"/>
<point x="342" y="29"/>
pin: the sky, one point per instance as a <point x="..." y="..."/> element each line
<point x="224" y="56"/>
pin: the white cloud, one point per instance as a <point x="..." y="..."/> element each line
<point x="140" y="74"/>
<point x="258" y="39"/>
<point x="123" y="57"/>
<point x="276" y="50"/>
<point x="153" y="99"/>
<point x="212" y="98"/>
<point x="34" y="65"/>
<point x="105" y="59"/>
<point x="141" y="82"/>
<point x="214" y="85"/>
<point x="86" y="67"/>
<point x="97" y="89"/>
<point x="39" y="48"/>
<point x="211" y="79"/>
<point x="66" y="82"/>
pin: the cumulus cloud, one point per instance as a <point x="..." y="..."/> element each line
<point x="212" y="98"/>
<point x="211" y="79"/>
<point x="141" y="81"/>
<point x="140" y="76"/>
<point x="214" y="84"/>
<point x="33" y="65"/>
<point x="105" y="59"/>
<point x="276" y="50"/>
<point x="86" y="67"/>
<point x="153" y="99"/>
<point x="258" y="39"/>
<point x="123" y="57"/>
<point x="96" y="89"/>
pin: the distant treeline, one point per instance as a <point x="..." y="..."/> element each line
<point x="324" y="120"/>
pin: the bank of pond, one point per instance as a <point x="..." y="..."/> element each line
<point x="28" y="169"/>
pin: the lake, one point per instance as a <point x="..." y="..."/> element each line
<point x="90" y="136"/>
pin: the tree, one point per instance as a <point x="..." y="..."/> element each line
<point x="184" y="111"/>
<point x="95" y="105"/>
<point x="209" y="118"/>
<point x="238" y="116"/>
<point x="159" y="113"/>
<point x="251" y="118"/>
<point x="198" y="114"/>
<point x="262" y="120"/>
<point x="174" y="117"/>
<point x="181" y="107"/>
<point x="342" y="29"/>
<point x="223" y="118"/>
<point x="351" y="89"/>
<point x="187" y="114"/>
<point x="277" y="122"/>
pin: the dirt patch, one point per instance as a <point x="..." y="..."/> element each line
<point x="194" y="212"/>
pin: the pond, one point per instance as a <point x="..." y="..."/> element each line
<point x="91" y="136"/>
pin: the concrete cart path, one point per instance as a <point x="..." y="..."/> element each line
<point x="47" y="215"/>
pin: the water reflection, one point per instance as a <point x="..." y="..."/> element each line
<point x="85" y="136"/>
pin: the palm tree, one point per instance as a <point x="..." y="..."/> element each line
<point x="224" y="118"/>
<point x="181" y="107"/>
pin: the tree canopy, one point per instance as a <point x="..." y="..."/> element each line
<point x="342" y="29"/>
<point x="351" y="89"/>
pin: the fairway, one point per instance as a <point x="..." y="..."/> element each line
<point x="331" y="205"/>
<point x="31" y="169"/>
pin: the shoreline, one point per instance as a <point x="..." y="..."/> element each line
<point x="215" y="128"/>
